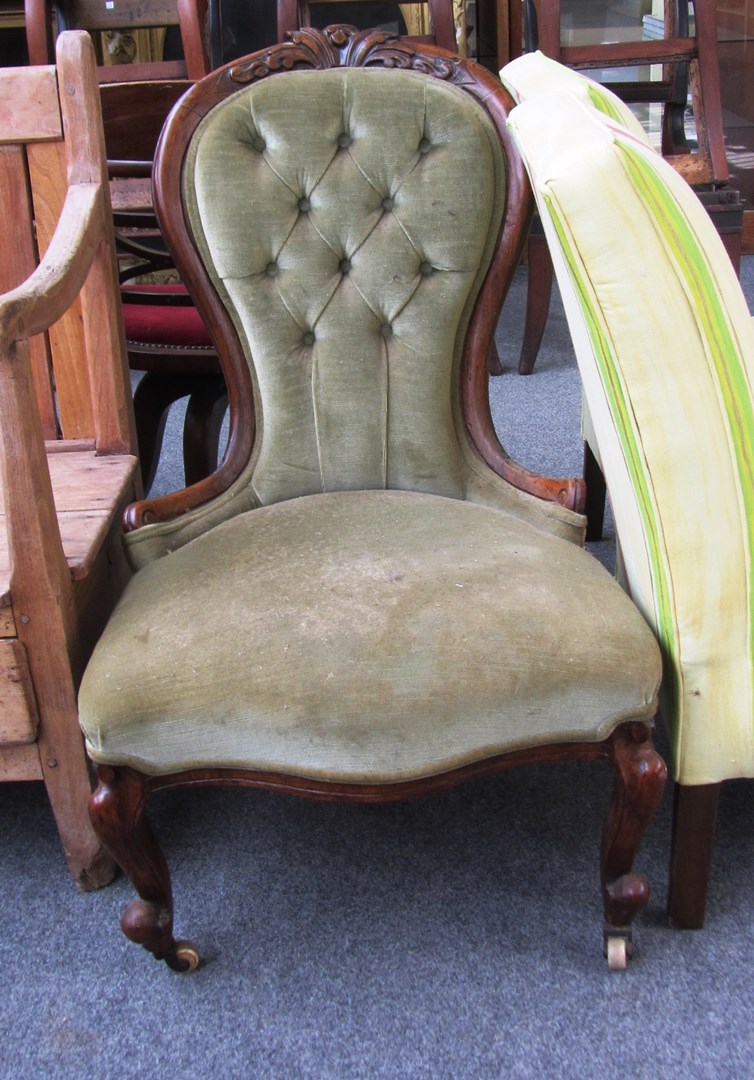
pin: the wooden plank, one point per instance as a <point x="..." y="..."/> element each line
<point x="81" y="533"/>
<point x="102" y="316"/>
<point x="19" y="719"/>
<point x="88" y="481"/>
<point x="48" y="172"/>
<point x="20" y="762"/>
<point x="133" y="114"/>
<point x="88" y="490"/>
<point x="19" y="260"/>
<point x="124" y="73"/>
<point x="68" y="446"/>
<point x="747" y="239"/>
<point x="131" y="193"/>
<point x="121" y="14"/>
<point x="29" y="109"/>
<point x="7" y="620"/>
<point x="102" y="319"/>
<point x="629" y="53"/>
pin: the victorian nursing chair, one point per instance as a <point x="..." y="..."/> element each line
<point x="665" y="346"/>
<point x="66" y="430"/>
<point x="368" y="600"/>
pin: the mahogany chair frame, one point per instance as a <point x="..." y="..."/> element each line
<point x="293" y="14"/>
<point x="688" y="61"/>
<point x="135" y="98"/>
<point x="118" y="807"/>
<point x="93" y="15"/>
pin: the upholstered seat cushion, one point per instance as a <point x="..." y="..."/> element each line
<point x="179" y="325"/>
<point x="364" y="636"/>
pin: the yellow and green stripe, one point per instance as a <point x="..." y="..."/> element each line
<point x="621" y="411"/>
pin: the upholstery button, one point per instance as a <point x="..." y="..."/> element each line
<point x="345" y="266"/>
<point x="258" y="143"/>
<point x="272" y="269"/>
<point x="344" y="139"/>
<point x="388" y="204"/>
<point x="425" y="146"/>
<point x="386" y="330"/>
<point x="426" y="269"/>
<point x="304" y="205"/>
<point x="308" y="338"/>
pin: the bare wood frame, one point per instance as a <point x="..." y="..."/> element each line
<point x="66" y="424"/>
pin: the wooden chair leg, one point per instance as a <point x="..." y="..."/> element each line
<point x="153" y="397"/>
<point x="67" y="780"/>
<point x="596" y="494"/>
<point x="202" y="428"/>
<point x="117" y="810"/>
<point x="694" y="821"/>
<point x="639" y="781"/>
<point x="494" y="367"/>
<point x="538" y="293"/>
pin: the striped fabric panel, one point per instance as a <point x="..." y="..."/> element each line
<point x="709" y="692"/>
<point x="618" y="398"/>
<point x="534" y="74"/>
<point x="606" y="102"/>
<point x="723" y="346"/>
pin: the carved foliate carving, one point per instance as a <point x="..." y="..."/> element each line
<point x="345" y="46"/>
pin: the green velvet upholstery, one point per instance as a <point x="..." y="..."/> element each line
<point x="352" y="291"/>
<point x="365" y="636"/>
<point x="359" y="212"/>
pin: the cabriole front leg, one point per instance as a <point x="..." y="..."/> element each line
<point x="117" y="810"/>
<point x="639" y="781"/>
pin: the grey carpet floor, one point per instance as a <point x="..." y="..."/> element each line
<point x="457" y="936"/>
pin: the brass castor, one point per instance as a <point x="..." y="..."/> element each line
<point x="617" y="947"/>
<point x="184" y="957"/>
<point x="617" y="953"/>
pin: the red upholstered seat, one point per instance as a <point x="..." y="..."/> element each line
<point x="168" y="340"/>
<point x="167" y="318"/>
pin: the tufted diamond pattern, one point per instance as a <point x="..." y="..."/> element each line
<point x="348" y="217"/>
